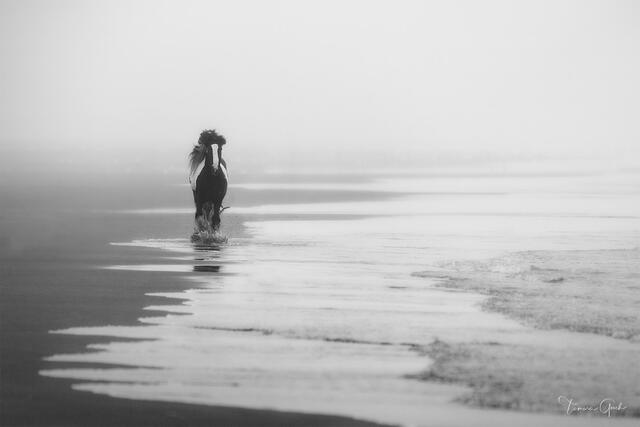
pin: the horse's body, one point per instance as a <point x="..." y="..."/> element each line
<point x="209" y="184"/>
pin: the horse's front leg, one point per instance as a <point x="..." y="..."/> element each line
<point x="204" y="216"/>
<point x="200" y="218"/>
<point x="215" y="219"/>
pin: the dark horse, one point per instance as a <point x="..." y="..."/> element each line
<point x="208" y="179"/>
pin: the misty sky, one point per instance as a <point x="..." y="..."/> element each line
<point x="117" y="84"/>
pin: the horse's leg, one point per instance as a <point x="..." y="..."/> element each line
<point x="220" y="192"/>
<point x="198" y="210"/>
<point x="216" y="215"/>
<point x="207" y="213"/>
<point x="199" y="214"/>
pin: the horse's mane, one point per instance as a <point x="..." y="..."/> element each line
<point x="196" y="157"/>
<point x="210" y="137"/>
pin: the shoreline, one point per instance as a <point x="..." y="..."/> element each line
<point x="45" y="288"/>
<point x="599" y="337"/>
<point x="443" y="408"/>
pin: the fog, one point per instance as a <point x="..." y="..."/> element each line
<point x="124" y="86"/>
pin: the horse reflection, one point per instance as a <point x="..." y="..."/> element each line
<point x="206" y="268"/>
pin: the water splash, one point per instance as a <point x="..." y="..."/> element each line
<point x="205" y="234"/>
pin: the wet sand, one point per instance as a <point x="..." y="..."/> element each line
<point x="50" y="259"/>
<point x="79" y="296"/>
<point x="591" y="293"/>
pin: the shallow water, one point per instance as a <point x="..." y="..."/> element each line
<point x="326" y="315"/>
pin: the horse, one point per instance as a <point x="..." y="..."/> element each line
<point x="208" y="179"/>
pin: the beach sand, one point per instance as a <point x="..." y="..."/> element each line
<point x="310" y="308"/>
<point x="79" y="296"/>
<point x="594" y="293"/>
<point x="51" y="254"/>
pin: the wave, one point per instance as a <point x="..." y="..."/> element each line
<point x="592" y="291"/>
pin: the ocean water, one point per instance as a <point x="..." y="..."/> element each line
<point x="327" y="306"/>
